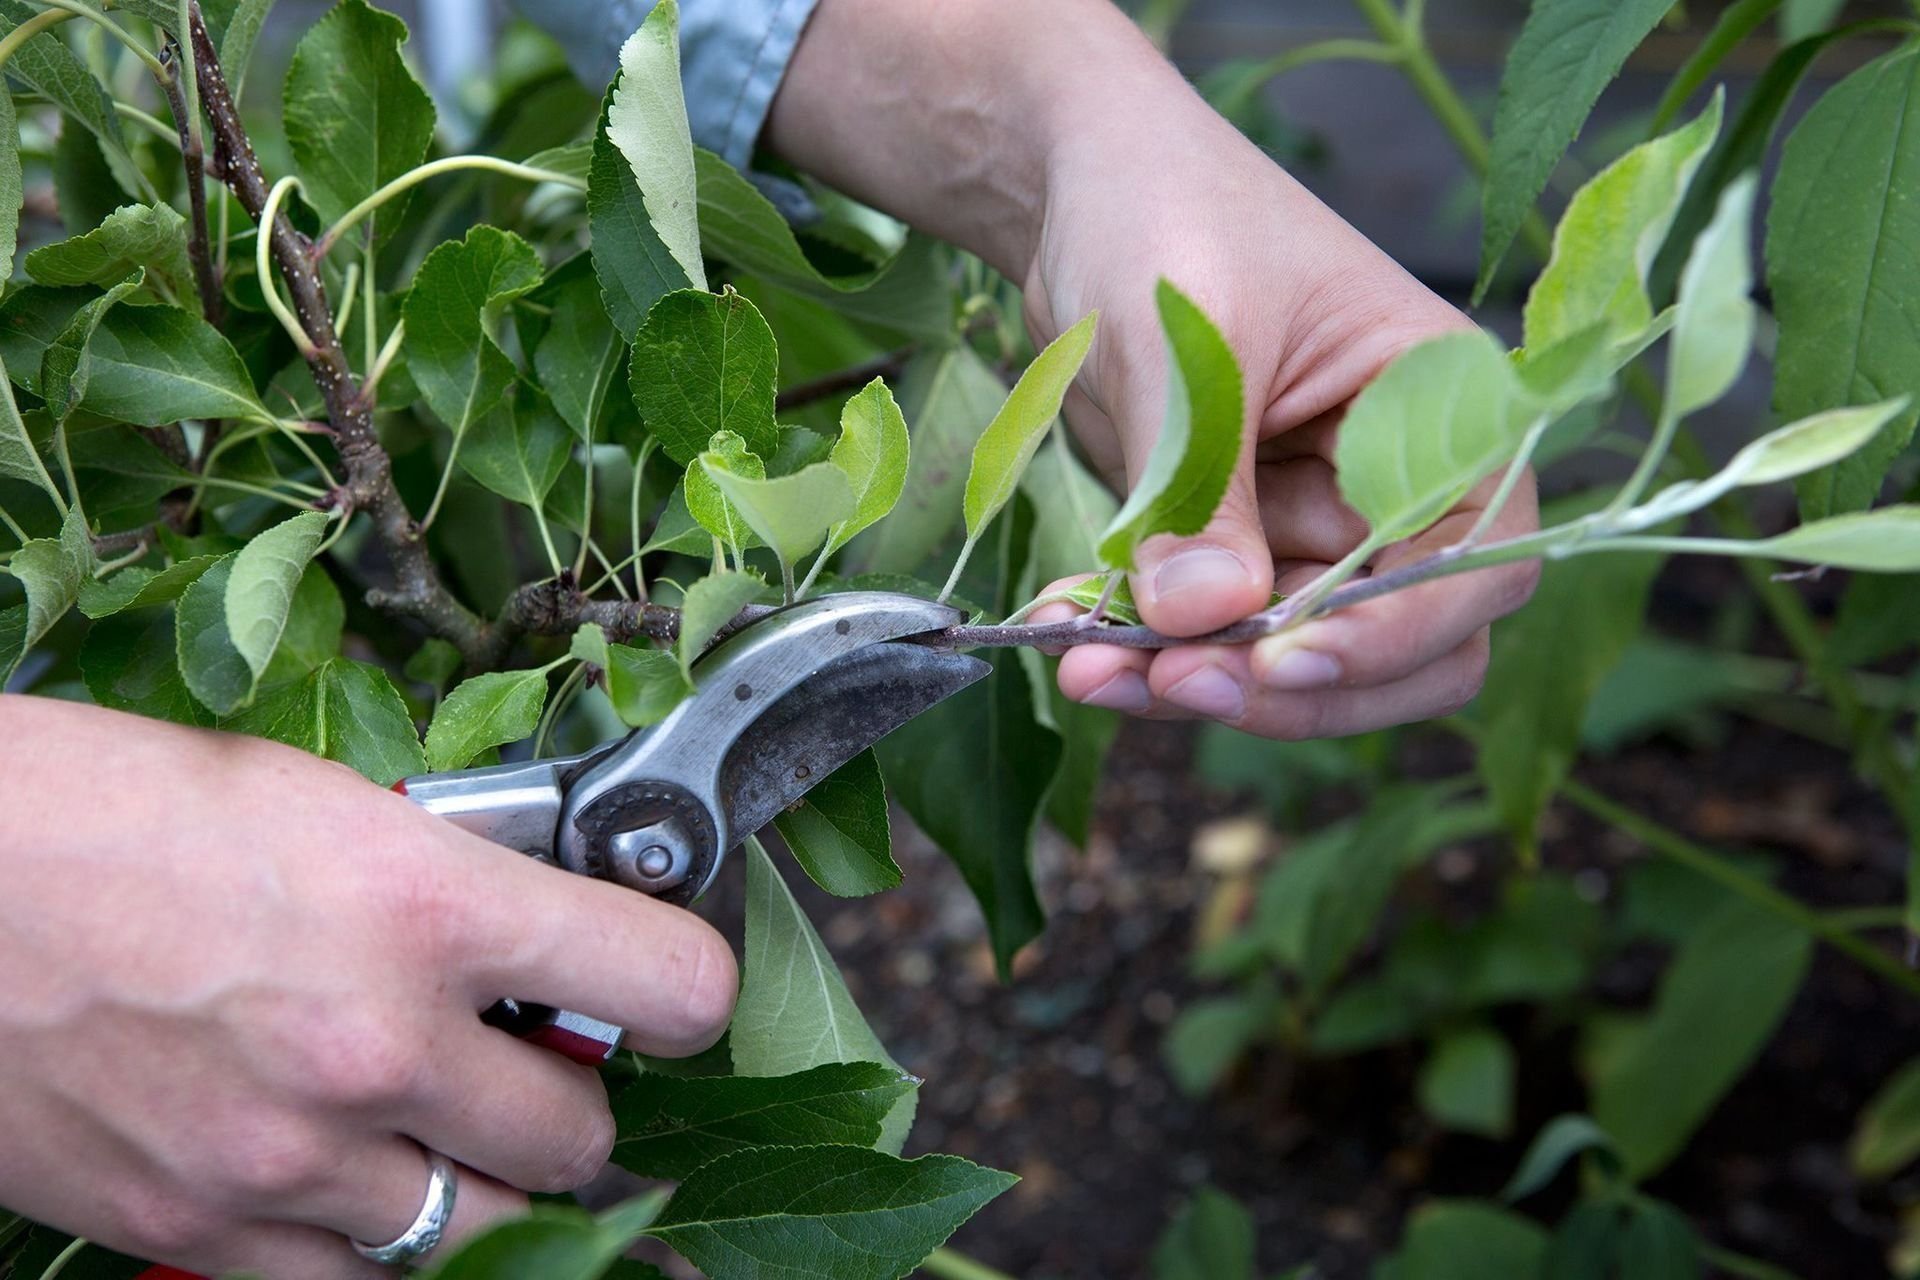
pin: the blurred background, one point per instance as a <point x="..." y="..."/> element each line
<point x="1312" y="976"/>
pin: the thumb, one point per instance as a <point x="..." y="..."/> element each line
<point x="1190" y="586"/>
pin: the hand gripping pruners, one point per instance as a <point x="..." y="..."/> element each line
<point x="777" y="707"/>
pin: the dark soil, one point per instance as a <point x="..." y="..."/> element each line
<point x="1059" y="1076"/>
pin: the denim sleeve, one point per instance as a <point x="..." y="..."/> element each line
<point x="732" y="55"/>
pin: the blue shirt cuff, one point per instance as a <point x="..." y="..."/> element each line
<point x="733" y="54"/>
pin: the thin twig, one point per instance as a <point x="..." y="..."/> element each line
<point x="851" y="379"/>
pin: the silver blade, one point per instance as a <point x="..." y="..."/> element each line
<point x="841" y="711"/>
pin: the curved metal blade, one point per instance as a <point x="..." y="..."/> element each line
<point x="839" y="712"/>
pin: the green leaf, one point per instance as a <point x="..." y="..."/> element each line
<point x="260" y="587"/>
<point x="1210" y="1238"/>
<point x="12" y="191"/>
<point x="236" y="42"/>
<point x="1549" y="659"/>
<point x="51" y="571"/>
<point x="66" y="368"/>
<point x="1659" y="1244"/>
<point x="134" y="237"/>
<point x="840" y="834"/>
<point x="1008" y="443"/>
<point x="1586" y="1244"/>
<point x="1211" y="1035"/>
<point x="642" y="684"/>
<point x="794" y="1010"/>
<point x="791" y="514"/>
<point x="1605" y="245"/>
<point x="908" y="295"/>
<point x="1842" y="267"/>
<point x="670" y="1127"/>
<point x="130" y="663"/>
<point x="485" y="711"/>
<point x="711" y="604"/>
<point x="634" y="266"/>
<point x="452" y="312"/>
<point x="1567" y="53"/>
<point x="950" y="394"/>
<point x="707" y="505"/>
<point x="519" y="447"/>
<point x="875" y="453"/>
<point x="156" y="365"/>
<point x="1070" y="508"/>
<point x="315" y="627"/>
<point x="141" y="588"/>
<point x="19" y="459"/>
<point x="1120" y="607"/>
<point x="1467" y="1240"/>
<point x="1466" y="1083"/>
<point x="356" y="118"/>
<point x="821" y="1213"/>
<point x="648" y="122"/>
<point x="1718" y="1004"/>
<point x="1438" y="420"/>
<point x="974" y="773"/>
<point x="1736" y="22"/>
<point x="50" y="68"/>
<point x="1563" y="1138"/>
<point x="345" y="711"/>
<point x="1802" y="18"/>
<point x="434" y="663"/>
<point x="1783" y="453"/>
<point x="209" y="661"/>
<point x="553" y="1243"/>
<point x="1199" y="443"/>
<point x="1883" y="541"/>
<point x="705" y="363"/>
<point x="1886" y="1138"/>
<point x="579" y="356"/>
<point x="1714" y="320"/>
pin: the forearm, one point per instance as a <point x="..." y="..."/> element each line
<point x="960" y="116"/>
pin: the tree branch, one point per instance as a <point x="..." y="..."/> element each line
<point x="418" y="591"/>
<point x="192" y="156"/>
<point x="852" y="379"/>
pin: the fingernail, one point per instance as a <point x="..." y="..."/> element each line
<point x="1297" y="669"/>
<point x="1211" y="692"/>
<point x="1124" y="692"/>
<point x="1199" y="570"/>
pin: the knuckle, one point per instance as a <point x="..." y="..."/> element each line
<point x="365" y="1063"/>
<point x="270" y="1163"/>
<point x="584" y="1156"/>
<point x="154" y="1224"/>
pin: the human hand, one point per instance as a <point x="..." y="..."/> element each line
<point x="243" y="988"/>
<point x="1313" y="311"/>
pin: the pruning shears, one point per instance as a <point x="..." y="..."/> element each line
<point x="777" y="707"/>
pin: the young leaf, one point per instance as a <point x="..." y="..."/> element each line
<point x="1199" y="445"/>
<point x="1606" y="242"/>
<point x="485" y="711"/>
<point x="874" y="452"/>
<point x="1563" y="1138"/>
<point x="356" y="118"/>
<point x="130" y="663"/>
<point x="1842" y="270"/>
<point x="1466" y="1083"/>
<point x="642" y="684"/>
<point x="711" y="604"/>
<point x="261" y="583"/>
<point x="345" y="711"/>
<point x="1886" y="540"/>
<point x="519" y="447"/>
<point x="1714" y="317"/>
<point x="672" y="1126"/>
<point x="1727" y="989"/>
<point x="1210" y="1238"/>
<point x="1010" y="439"/>
<point x="451" y="312"/>
<point x="974" y="774"/>
<point x="1566" y="54"/>
<point x="839" y="833"/>
<point x="705" y="363"/>
<point x="821" y="1213"/>
<point x="794" y="1010"/>
<point x="1783" y="453"/>
<point x="1441" y="417"/>
<point x="579" y="356"/>
<point x="1886" y="1138"/>
<point x="791" y="514"/>
<point x="141" y="588"/>
<point x="648" y="122"/>
<point x="156" y="365"/>
<point x="211" y="665"/>
<point x="1070" y="508"/>
<point x="51" y="571"/>
<point x="633" y="265"/>
<point x="150" y="237"/>
<point x="708" y="505"/>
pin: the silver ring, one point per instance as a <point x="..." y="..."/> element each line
<point x="428" y="1225"/>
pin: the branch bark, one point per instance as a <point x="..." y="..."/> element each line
<point x="887" y="366"/>
<point x="418" y="592"/>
